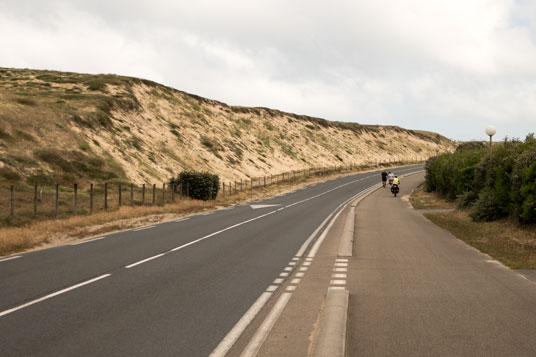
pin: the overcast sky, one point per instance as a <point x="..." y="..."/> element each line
<point x="452" y="67"/>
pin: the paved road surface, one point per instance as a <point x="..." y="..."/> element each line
<point x="174" y="289"/>
<point x="417" y="290"/>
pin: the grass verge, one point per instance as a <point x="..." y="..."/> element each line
<point x="511" y="243"/>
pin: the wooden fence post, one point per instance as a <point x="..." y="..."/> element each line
<point x="91" y="198"/>
<point x="106" y="196"/>
<point x="119" y="195"/>
<point x="187" y="189"/>
<point x="173" y="192"/>
<point x="132" y="195"/>
<point x="143" y="194"/>
<point x="35" y="202"/>
<point x="163" y="194"/>
<point x="154" y="193"/>
<point x="75" y="189"/>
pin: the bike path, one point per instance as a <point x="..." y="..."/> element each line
<point x="417" y="290"/>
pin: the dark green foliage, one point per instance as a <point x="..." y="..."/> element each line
<point x="466" y="199"/>
<point x="198" y="185"/>
<point x="500" y="186"/>
<point x="486" y="207"/>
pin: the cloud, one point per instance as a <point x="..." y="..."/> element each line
<point x="448" y="66"/>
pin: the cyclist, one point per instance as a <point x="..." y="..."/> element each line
<point x="390" y="177"/>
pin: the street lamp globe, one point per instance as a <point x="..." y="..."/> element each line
<point x="490" y="130"/>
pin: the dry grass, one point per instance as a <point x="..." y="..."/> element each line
<point x="420" y="199"/>
<point x="509" y="242"/>
<point x="45" y="234"/>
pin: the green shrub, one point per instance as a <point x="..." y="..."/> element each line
<point x="486" y="207"/>
<point x="505" y="183"/>
<point x="466" y="199"/>
<point x="198" y="185"/>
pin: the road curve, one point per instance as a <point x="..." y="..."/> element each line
<point x="174" y="289"/>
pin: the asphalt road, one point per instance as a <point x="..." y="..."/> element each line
<point x="173" y="289"/>
<point x="416" y="290"/>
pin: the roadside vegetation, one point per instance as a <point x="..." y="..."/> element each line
<point x="505" y="239"/>
<point x="491" y="188"/>
<point x="493" y="200"/>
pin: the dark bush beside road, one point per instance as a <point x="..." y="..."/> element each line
<point x="197" y="185"/>
<point x="504" y="185"/>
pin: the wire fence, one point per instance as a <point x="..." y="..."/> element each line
<point x="27" y="202"/>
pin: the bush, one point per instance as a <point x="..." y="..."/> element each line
<point x="486" y="208"/>
<point x="466" y="199"/>
<point x="503" y="185"/>
<point x="198" y="185"/>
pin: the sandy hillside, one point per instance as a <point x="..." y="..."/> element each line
<point x="64" y="127"/>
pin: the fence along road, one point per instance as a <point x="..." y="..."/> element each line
<point x="176" y="288"/>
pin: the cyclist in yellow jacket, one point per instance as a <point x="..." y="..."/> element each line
<point x="396" y="181"/>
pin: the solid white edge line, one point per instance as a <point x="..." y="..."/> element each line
<point x="88" y="240"/>
<point x="258" y="339"/>
<point x="3" y="313"/>
<point x="145" y="260"/>
<point x="142" y="228"/>
<point x="233" y="335"/>
<point x="10" y="258"/>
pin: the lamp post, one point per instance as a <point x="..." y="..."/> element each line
<point x="490" y="130"/>
<point x="436" y="151"/>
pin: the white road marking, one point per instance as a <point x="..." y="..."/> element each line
<point x="295" y="281"/>
<point x="287" y="269"/>
<point x="278" y="281"/>
<point x="233" y="335"/>
<point x="296" y="258"/>
<point x="341" y="264"/>
<point x="300" y="275"/>
<point x="292" y="263"/>
<point x="341" y="260"/>
<point x="283" y="274"/>
<point x="182" y="219"/>
<point x="338" y="276"/>
<point x="258" y="339"/>
<point x="88" y="240"/>
<point x="304" y="269"/>
<point x="10" y="258"/>
<point x="271" y="288"/>
<point x="264" y="206"/>
<point x="308" y="258"/>
<point x="306" y="263"/>
<point x="3" y="313"/>
<point x="341" y="269"/>
<point x="337" y="287"/>
<point x="338" y="282"/>
<point x="143" y="228"/>
<point x="291" y="288"/>
<point x="221" y="231"/>
<point x="145" y="260"/>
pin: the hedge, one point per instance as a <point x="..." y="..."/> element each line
<point x="197" y="185"/>
<point x="504" y="185"/>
